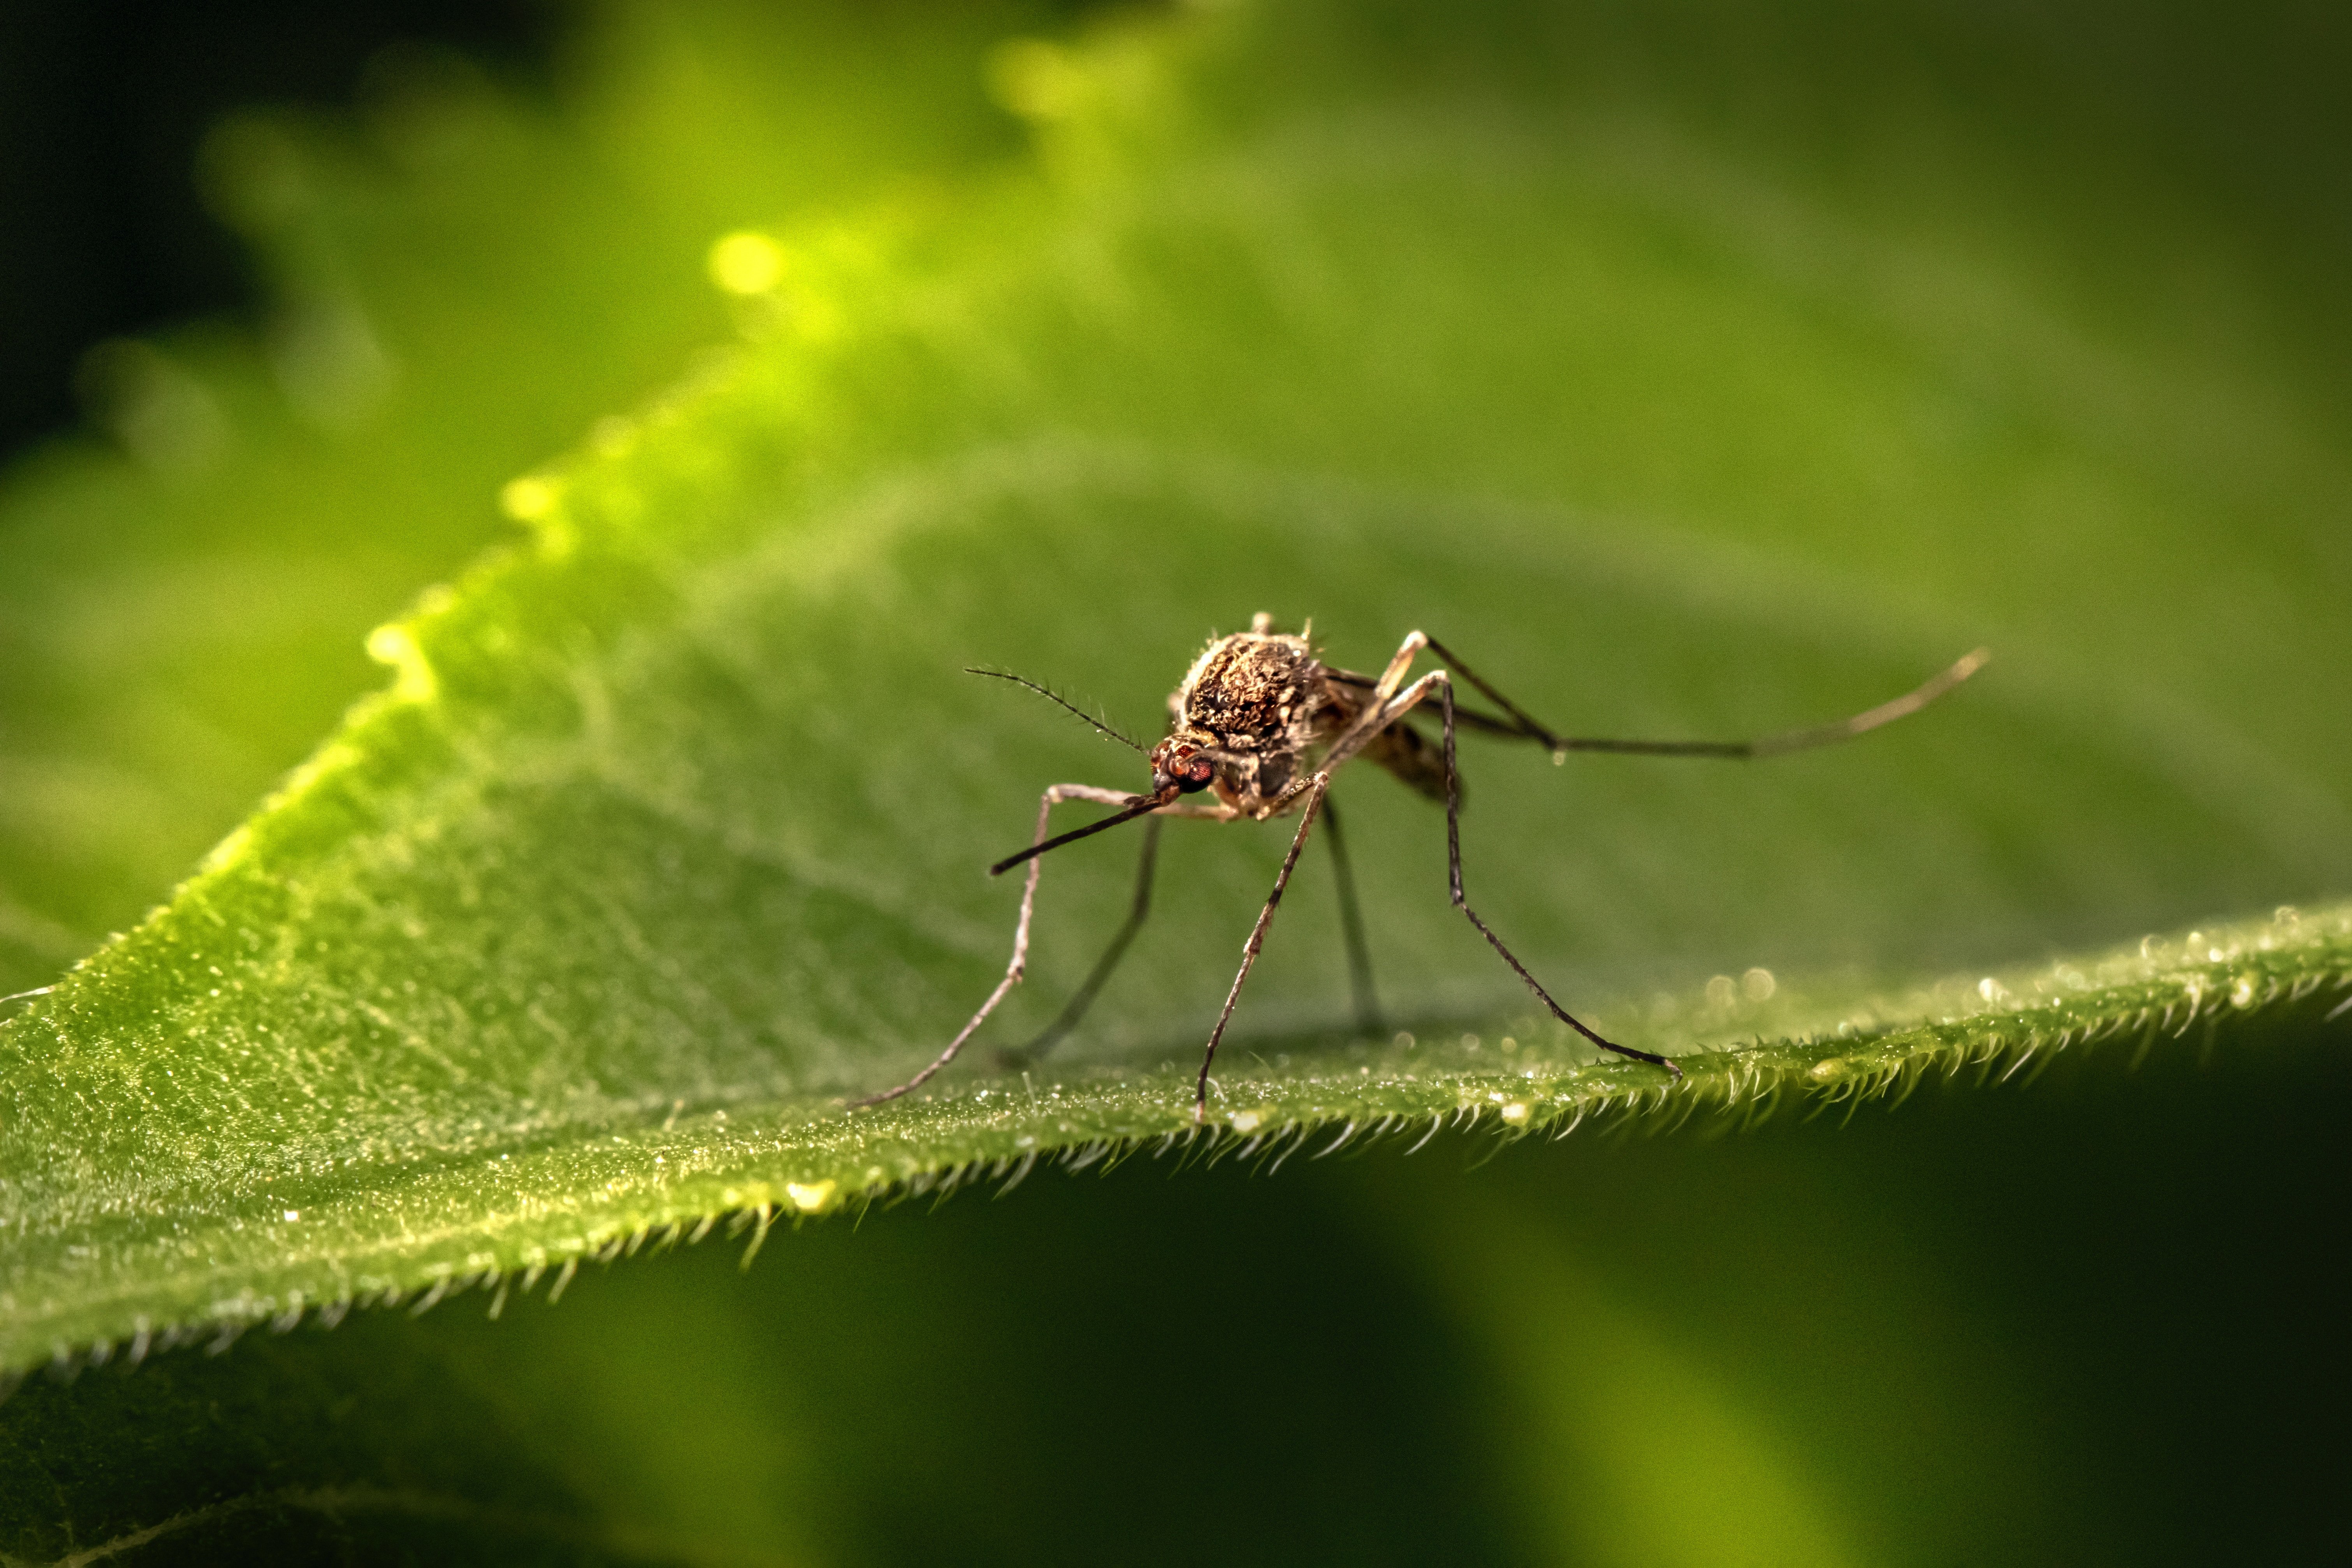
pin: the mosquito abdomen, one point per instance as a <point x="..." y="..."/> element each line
<point x="1406" y="753"/>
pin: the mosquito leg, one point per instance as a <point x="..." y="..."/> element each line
<point x="1369" y="722"/>
<point x="1454" y="875"/>
<point x="1313" y="792"/>
<point x="1084" y="995"/>
<point x="1053" y="796"/>
<point x="1389" y="713"/>
<point x="1352" y="925"/>
<point x="1523" y="724"/>
<point x="1393" y="676"/>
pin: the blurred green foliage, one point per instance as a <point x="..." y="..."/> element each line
<point x="1694" y="370"/>
<point x="466" y="281"/>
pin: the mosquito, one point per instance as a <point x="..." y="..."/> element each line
<point x="1262" y="725"/>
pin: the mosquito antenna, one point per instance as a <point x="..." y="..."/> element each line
<point x="1056" y="699"/>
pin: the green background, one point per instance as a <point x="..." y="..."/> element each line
<point x="1692" y="368"/>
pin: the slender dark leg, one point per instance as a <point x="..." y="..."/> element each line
<point x="1352" y="925"/>
<point x="1313" y="792"/>
<point x="1453" y="874"/>
<point x="1085" y="996"/>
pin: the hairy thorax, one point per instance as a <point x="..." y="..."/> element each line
<point x="1257" y="701"/>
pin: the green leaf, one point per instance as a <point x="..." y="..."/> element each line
<point x="664" y="838"/>
<point x="669" y="833"/>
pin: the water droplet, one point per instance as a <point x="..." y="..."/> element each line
<point x="1515" y="1113"/>
<point x="812" y="1197"/>
<point x="1721" y="992"/>
<point x="1246" y="1121"/>
<point x="293" y="1215"/>
<point x="2242" y="994"/>
<point x="1759" y="984"/>
<point x="1829" y="1068"/>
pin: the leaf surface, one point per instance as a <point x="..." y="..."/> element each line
<point x="668" y="834"/>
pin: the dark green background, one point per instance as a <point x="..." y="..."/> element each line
<point x="2095" y="1318"/>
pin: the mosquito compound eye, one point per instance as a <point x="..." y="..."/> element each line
<point x="1194" y="776"/>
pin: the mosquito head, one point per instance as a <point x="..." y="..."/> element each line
<point x="1183" y="762"/>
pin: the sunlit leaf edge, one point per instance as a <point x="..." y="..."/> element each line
<point x="650" y="1177"/>
<point x="614" y="1191"/>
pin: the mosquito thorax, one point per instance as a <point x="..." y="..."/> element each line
<point x="1255" y="702"/>
<point x="1252" y="691"/>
